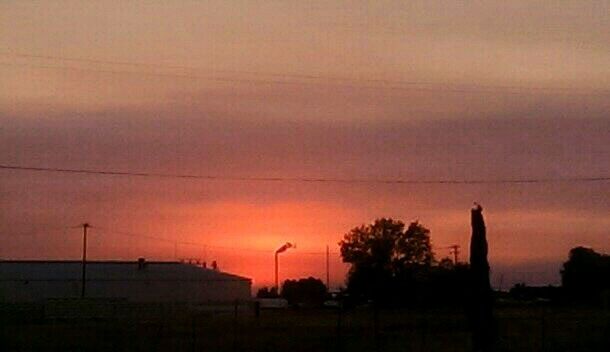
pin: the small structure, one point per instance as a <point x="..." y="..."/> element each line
<point x="272" y="303"/>
<point x="134" y="281"/>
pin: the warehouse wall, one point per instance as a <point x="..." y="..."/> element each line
<point x="156" y="283"/>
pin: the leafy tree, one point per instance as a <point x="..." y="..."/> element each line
<point x="265" y="292"/>
<point x="310" y="291"/>
<point x="384" y="255"/>
<point x="443" y="284"/>
<point x="586" y="273"/>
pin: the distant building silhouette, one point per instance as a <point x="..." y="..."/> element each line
<point x="137" y="281"/>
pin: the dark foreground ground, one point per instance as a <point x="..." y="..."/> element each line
<point x="520" y="328"/>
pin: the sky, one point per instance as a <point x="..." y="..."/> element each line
<point x="317" y="89"/>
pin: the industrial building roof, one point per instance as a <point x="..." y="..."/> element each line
<point x="62" y="270"/>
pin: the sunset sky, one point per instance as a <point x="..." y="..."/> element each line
<point x="318" y="89"/>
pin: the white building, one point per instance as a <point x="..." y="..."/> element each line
<point x="136" y="281"/>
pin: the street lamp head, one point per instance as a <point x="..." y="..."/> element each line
<point x="285" y="247"/>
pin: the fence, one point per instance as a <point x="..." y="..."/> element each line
<point x="237" y="327"/>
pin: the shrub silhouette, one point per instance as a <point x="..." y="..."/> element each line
<point x="308" y="292"/>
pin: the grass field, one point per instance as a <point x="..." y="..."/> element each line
<point x="520" y="328"/>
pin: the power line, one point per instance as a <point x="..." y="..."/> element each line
<point x="272" y="74"/>
<point x="44" y="232"/>
<point x="269" y="81"/>
<point x="108" y="231"/>
<point x="310" y="179"/>
<point x="388" y="85"/>
<point x="199" y="244"/>
<point x="180" y="242"/>
<point x="288" y="78"/>
<point x="159" y="74"/>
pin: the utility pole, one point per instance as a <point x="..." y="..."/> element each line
<point x="455" y="250"/>
<point x="84" y="265"/>
<point x="327" y="270"/>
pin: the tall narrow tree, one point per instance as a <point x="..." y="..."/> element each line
<point x="481" y="305"/>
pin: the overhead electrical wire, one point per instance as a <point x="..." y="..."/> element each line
<point x="290" y="79"/>
<point x="396" y="181"/>
<point x="205" y="246"/>
<point x="270" y="82"/>
<point x="287" y="78"/>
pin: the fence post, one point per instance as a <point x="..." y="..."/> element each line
<point x="424" y="331"/>
<point x="257" y="309"/>
<point x="235" y="327"/>
<point x="376" y="325"/>
<point x="543" y="329"/>
<point x="193" y="334"/>
<point x="339" y="318"/>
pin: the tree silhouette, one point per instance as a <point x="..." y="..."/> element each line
<point x="383" y="253"/>
<point x="265" y="292"/>
<point x="586" y="274"/>
<point x="310" y="291"/>
<point x="481" y="299"/>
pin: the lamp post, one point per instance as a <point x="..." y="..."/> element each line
<point x="278" y="251"/>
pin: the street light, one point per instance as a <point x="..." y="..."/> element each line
<point x="278" y="251"/>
